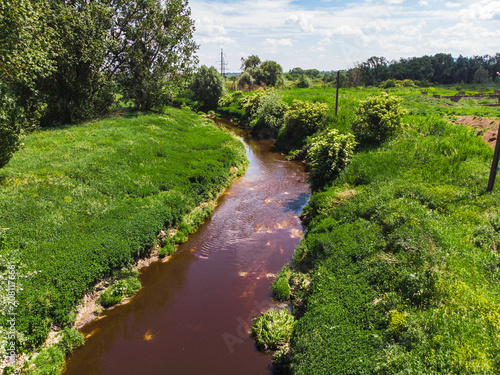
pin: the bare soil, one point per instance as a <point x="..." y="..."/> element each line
<point x="488" y="127"/>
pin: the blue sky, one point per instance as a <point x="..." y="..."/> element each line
<point x="332" y="34"/>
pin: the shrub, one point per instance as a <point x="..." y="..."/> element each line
<point x="167" y="250"/>
<point x="121" y="289"/>
<point x="269" y="116"/>
<point x="273" y="329"/>
<point x="245" y="80"/>
<point x="328" y="155"/>
<point x="301" y="120"/>
<point x="377" y="118"/>
<point x="304" y="82"/>
<point x="208" y="86"/>
<point x="280" y="286"/>
<point x="72" y="338"/>
<point x="10" y="126"/>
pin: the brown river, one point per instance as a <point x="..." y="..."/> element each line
<point x="193" y="313"/>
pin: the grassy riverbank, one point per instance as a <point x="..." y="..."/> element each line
<point x="82" y="201"/>
<point x="400" y="254"/>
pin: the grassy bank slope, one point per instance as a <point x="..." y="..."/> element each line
<point x="402" y="251"/>
<point x="84" y="200"/>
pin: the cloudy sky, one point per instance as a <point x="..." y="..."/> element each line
<point x="333" y="34"/>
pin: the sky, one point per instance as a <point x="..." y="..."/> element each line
<point x="332" y="35"/>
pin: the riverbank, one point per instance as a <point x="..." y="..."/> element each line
<point x="85" y="200"/>
<point x="402" y="252"/>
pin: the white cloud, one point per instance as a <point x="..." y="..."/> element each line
<point x="300" y="21"/>
<point x="344" y="32"/>
<point x="483" y="10"/>
<point x="271" y="45"/>
<point x="218" y="40"/>
<point x="210" y="27"/>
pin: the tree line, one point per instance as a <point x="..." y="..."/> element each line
<point x="438" y="69"/>
<point x="64" y="61"/>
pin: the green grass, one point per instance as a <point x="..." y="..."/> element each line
<point x="402" y="251"/>
<point x="85" y="200"/>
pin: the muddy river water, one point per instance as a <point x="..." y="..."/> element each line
<point x="193" y="314"/>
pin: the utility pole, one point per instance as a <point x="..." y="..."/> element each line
<point x="494" y="164"/>
<point x="223" y="63"/>
<point x="337" y="95"/>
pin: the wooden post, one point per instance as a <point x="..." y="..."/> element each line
<point x="494" y="164"/>
<point x="337" y="95"/>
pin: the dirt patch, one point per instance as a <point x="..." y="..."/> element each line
<point x="487" y="127"/>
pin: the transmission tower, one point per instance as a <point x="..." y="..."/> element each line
<point x="222" y="63"/>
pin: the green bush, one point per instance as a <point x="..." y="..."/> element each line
<point x="280" y="287"/>
<point x="167" y="250"/>
<point x="119" y="290"/>
<point x="273" y="329"/>
<point x="301" y="120"/>
<point x="304" y="82"/>
<point x="377" y="118"/>
<point x="329" y="153"/>
<point x="269" y="116"/>
<point x="208" y="87"/>
<point x="10" y="125"/>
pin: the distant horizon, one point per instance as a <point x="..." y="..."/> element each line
<point x="333" y="35"/>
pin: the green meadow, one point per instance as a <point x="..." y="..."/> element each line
<point x="83" y="201"/>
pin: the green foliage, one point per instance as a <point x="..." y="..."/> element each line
<point x="273" y="329"/>
<point x="378" y="118"/>
<point x="124" y="287"/>
<point x="153" y="46"/>
<point x="329" y="153"/>
<point x="251" y="62"/>
<point x="245" y="79"/>
<point x="83" y="201"/>
<point x="51" y="360"/>
<point x="280" y="287"/>
<point x="269" y="116"/>
<point x="167" y="250"/>
<point x="208" y="87"/>
<point x="269" y="73"/>
<point x="302" y="119"/>
<point x="404" y="275"/>
<point x="10" y="126"/>
<point x="72" y="338"/>
<point x="304" y="82"/>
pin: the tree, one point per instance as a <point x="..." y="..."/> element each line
<point x="77" y="88"/>
<point x="153" y="47"/>
<point x="25" y="51"/>
<point x="481" y="76"/>
<point x="269" y="73"/>
<point x="208" y="87"/>
<point x="252" y="62"/>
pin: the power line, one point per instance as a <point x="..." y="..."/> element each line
<point x="222" y="62"/>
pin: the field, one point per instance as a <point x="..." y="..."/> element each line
<point x="83" y="201"/>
